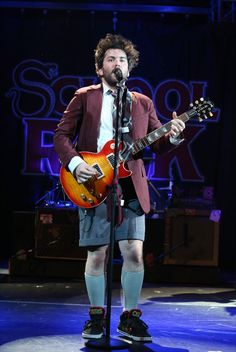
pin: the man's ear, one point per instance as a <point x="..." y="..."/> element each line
<point x="100" y="72"/>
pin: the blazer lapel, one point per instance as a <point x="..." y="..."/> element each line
<point x="93" y="114"/>
<point x="133" y="113"/>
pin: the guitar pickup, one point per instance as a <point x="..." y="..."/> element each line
<point x="111" y="159"/>
<point x="99" y="171"/>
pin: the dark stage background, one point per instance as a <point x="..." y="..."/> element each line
<point x="47" y="54"/>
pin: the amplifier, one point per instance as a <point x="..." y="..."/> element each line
<point x="191" y="237"/>
<point x="57" y="233"/>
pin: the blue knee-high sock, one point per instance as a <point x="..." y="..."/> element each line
<point x="131" y="282"/>
<point x="96" y="289"/>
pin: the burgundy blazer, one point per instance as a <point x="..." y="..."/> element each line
<point x="79" y="127"/>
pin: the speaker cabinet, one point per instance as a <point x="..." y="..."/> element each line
<point x="57" y="234"/>
<point x="191" y="238"/>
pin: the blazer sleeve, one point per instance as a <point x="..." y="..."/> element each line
<point x="67" y="130"/>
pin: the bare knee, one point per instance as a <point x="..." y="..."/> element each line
<point x="132" y="252"/>
<point x="96" y="260"/>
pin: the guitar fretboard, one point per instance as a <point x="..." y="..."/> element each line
<point x="158" y="133"/>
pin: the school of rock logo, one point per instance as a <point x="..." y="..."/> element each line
<point x="39" y="96"/>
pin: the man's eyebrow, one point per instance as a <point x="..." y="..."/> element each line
<point x="114" y="57"/>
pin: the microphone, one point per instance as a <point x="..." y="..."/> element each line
<point x="118" y="73"/>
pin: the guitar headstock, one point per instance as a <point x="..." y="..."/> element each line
<point x="202" y="109"/>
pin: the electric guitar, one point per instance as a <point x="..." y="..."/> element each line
<point x="94" y="191"/>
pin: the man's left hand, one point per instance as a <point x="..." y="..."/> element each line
<point x="177" y="126"/>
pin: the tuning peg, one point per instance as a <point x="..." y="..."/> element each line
<point x="191" y="105"/>
<point x="204" y="114"/>
<point x="201" y="99"/>
<point x="196" y="102"/>
<point x="200" y="119"/>
<point x="210" y="114"/>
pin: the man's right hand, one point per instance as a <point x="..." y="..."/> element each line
<point x="84" y="172"/>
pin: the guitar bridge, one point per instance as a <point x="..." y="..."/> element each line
<point x="91" y="188"/>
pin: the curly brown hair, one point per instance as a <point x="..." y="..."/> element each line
<point x="116" y="41"/>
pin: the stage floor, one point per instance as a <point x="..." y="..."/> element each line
<point x="48" y="316"/>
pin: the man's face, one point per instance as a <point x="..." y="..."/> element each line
<point x="114" y="58"/>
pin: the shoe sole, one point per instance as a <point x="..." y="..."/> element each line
<point x="136" y="338"/>
<point x="90" y="336"/>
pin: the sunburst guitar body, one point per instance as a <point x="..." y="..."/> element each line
<point x="93" y="192"/>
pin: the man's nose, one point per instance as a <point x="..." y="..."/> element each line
<point x="117" y="63"/>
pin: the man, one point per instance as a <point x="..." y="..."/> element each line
<point x="87" y="124"/>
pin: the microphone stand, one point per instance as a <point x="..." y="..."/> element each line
<point x="108" y="343"/>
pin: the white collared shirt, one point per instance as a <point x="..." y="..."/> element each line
<point x="106" y="124"/>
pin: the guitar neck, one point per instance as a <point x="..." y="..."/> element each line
<point x="158" y="133"/>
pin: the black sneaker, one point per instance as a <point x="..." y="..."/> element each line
<point x="94" y="328"/>
<point x="133" y="327"/>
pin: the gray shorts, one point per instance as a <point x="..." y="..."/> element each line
<point x="94" y="229"/>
